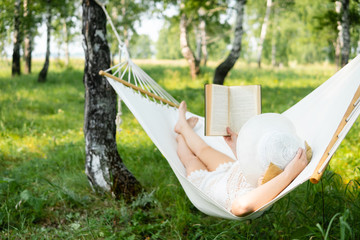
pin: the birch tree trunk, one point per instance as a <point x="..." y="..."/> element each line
<point x="186" y="50"/>
<point x="66" y="48"/>
<point x="345" y="26"/>
<point x="44" y="70"/>
<point x="339" y="40"/>
<point x="273" y="52"/>
<point x="223" y="69"/>
<point x="28" y="52"/>
<point x="198" y="42"/>
<point x="274" y="37"/>
<point x="27" y="39"/>
<point x="104" y="167"/>
<point x="15" y="69"/>
<point x="263" y="31"/>
<point x="202" y="29"/>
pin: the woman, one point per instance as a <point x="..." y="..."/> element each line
<point x="220" y="176"/>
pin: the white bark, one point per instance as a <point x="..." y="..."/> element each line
<point x="185" y="48"/>
<point x="27" y="39"/>
<point x="202" y="29"/>
<point x="339" y="40"/>
<point x="198" y="42"/>
<point x="44" y="70"/>
<point x="345" y="27"/>
<point x="66" y="47"/>
<point x="104" y="166"/>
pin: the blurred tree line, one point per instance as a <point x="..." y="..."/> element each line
<point x="274" y="32"/>
<point x="19" y="24"/>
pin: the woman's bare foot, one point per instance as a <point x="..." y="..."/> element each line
<point x="182" y="119"/>
<point x="192" y="121"/>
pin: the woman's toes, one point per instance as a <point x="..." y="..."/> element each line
<point x="183" y="107"/>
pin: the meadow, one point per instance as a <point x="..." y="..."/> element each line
<point x="44" y="192"/>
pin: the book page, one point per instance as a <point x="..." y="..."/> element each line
<point x="245" y="102"/>
<point x="218" y="113"/>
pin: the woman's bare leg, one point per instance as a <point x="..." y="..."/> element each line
<point x="190" y="161"/>
<point x="210" y="157"/>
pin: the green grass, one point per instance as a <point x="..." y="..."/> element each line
<point x="44" y="192"/>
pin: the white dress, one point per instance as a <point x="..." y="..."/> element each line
<point x="223" y="185"/>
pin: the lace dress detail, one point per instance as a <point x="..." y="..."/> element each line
<point x="223" y="185"/>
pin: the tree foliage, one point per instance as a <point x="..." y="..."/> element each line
<point x="167" y="46"/>
<point x="214" y="13"/>
<point x="125" y="14"/>
<point x="299" y="31"/>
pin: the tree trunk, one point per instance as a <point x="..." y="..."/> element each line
<point x="27" y="39"/>
<point x="339" y="40"/>
<point x="66" y="50"/>
<point x="186" y="51"/>
<point x="345" y="26"/>
<point x="198" y="42"/>
<point x="202" y="28"/>
<point x="263" y="31"/>
<point x="16" y="70"/>
<point x="273" y="38"/>
<point x="223" y="69"/>
<point x="27" y="52"/>
<point x="44" y="70"/>
<point x="104" y="166"/>
<point x="273" y="52"/>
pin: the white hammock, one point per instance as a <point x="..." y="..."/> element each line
<point x="323" y="118"/>
<point x="317" y="118"/>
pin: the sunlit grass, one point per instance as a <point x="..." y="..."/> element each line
<point x="44" y="192"/>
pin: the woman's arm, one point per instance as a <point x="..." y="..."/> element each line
<point x="261" y="195"/>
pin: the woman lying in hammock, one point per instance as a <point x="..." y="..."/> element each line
<point x="220" y="176"/>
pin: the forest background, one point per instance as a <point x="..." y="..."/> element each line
<point x="289" y="47"/>
<point x="295" y="31"/>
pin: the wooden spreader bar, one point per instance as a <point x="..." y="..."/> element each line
<point x="102" y="73"/>
<point x="324" y="161"/>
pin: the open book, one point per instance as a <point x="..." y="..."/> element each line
<point x="230" y="106"/>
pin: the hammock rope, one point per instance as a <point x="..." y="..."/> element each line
<point x="323" y="118"/>
<point x="141" y="90"/>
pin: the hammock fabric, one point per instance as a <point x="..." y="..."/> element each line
<point x="323" y="118"/>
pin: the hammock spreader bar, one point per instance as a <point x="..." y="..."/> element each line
<point x="102" y="73"/>
<point x="326" y="157"/>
